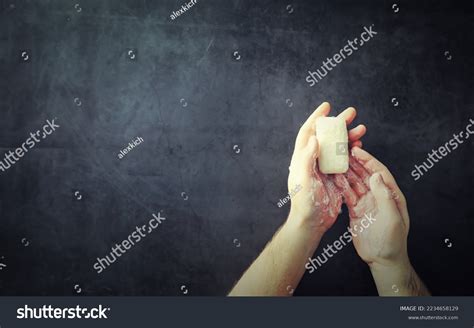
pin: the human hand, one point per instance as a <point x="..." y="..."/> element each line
<point x="378" y="212"/>
<point x="317" y="204"/>
<point x="379" y="224"/>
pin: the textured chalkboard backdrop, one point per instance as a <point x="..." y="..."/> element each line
<point x="217" y="95"/>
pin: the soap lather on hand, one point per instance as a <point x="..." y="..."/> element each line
<point x="331" y="133"/>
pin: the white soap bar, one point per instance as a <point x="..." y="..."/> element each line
<point x="331" y="133"/>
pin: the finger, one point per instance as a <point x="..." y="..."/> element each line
<point x="311" y="152"/>
<point x="385" y="203"/>
<point x="357" y="143"/>
<point x="335" y="198"/>
<point x="320" y="193"/>
<point x="356" y="183"/>
<point x="357" y="167"/>
<point x="357" y="132"/>
<point x="348" y="115"/>
<point x="308" y="127"/>
<point x="372" y="165"/>
<point x="349" y="195"/>
<point x="353" y="213"/>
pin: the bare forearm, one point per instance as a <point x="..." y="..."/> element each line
<point x="279" y="268"/>
<point x="398" y="280"/>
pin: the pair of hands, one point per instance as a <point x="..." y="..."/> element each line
<point x="367" y="188"/>
<point x="370" y="193"/>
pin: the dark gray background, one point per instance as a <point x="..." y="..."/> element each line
<point x="190" y="149"/>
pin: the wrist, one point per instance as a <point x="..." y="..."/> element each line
<point x="393" y="278"/>
<point x="307" y="219"/>
<point x="398" y="265"/>
<point x="303" y="228"/>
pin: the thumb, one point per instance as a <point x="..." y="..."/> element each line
<point x="312" y="147"/>
<point x="311" y="152"/>
<point x="383" y="196"/>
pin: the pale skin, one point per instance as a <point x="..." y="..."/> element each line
<point x="314" y="209"/>
<point x="370" y="188"/>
